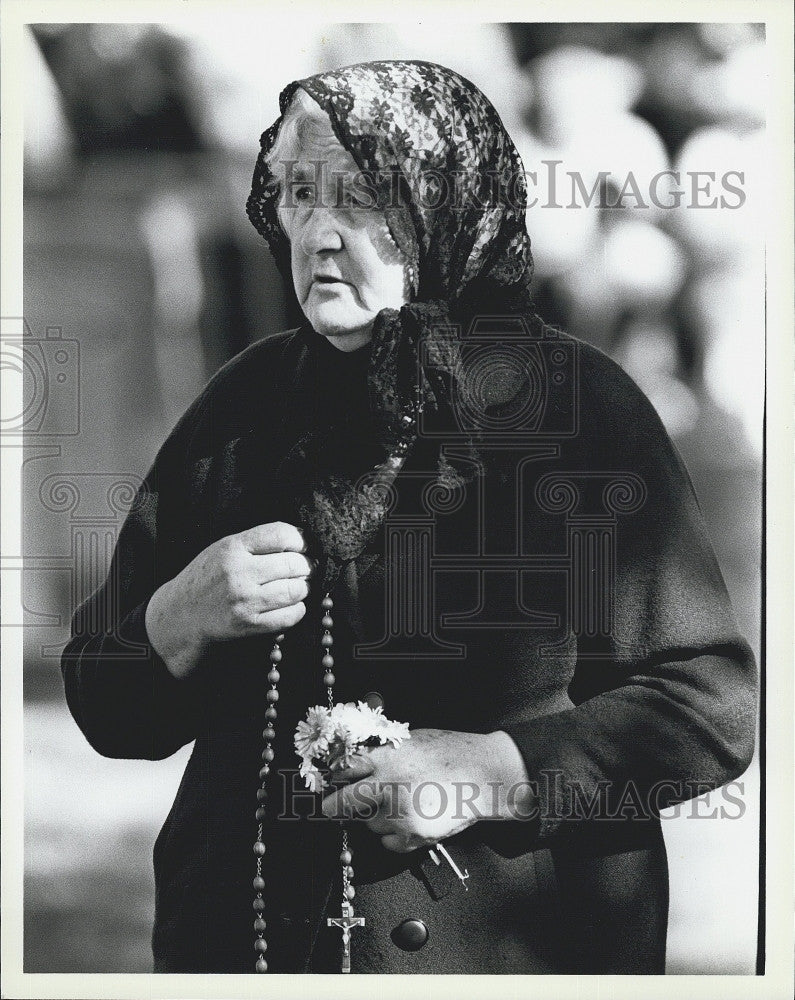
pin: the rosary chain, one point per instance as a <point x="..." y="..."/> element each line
<point x="327" y="641"/>
<point x="268" y="754"/>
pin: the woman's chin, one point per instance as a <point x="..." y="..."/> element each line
<point x="349" y="340"/>
<point x="343" y="332"/>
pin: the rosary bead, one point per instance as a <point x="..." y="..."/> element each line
<point x="268" y="755"/>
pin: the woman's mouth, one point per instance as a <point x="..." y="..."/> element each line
<point x="326" y="283"/>
<point x="327" y="279"/>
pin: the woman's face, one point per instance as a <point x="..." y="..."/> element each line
<point x="346" y="267"/>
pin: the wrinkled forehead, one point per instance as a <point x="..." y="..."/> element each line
<point x="306" y="142"/>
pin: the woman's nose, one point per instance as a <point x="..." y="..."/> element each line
<point x="320" y="231"/>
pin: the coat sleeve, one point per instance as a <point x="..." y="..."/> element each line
<point x="666" y="710"/>
<point x="118" y="689"/>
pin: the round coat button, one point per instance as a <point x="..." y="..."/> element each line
<point x="374" y="699"/>
<point x="411" y="935"/>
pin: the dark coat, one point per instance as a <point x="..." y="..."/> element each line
<point x="614" y="663"/>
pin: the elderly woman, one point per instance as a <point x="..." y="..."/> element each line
<point x="424" y="499"/>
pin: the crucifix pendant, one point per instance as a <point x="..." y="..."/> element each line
<point x="346" y="923"/>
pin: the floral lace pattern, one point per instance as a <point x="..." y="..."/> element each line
<point x="460" y="222"/>
<point x="442" y="138"/>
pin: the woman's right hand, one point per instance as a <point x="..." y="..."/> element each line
<point x="251" y="583"/>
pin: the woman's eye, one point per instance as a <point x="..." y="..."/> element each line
<point x="303" y="194"/>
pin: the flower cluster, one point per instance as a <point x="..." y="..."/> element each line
<point x="330" y="738"/>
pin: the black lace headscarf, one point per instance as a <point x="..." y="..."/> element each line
<point x="432" y="136"/>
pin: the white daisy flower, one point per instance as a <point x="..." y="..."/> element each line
<point x="393" y="732"/>
<point x="342" y="748"/>
<point x="312" y="737"/>
<point x="347" y="719"/>
<point x="314" y="779"/>
<point x="333" y="736"/>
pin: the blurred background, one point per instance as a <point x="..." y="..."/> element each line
<point x="143" y="275"/>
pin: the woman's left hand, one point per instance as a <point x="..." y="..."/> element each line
<point x="434" y="785"/>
